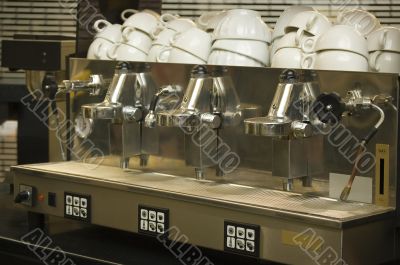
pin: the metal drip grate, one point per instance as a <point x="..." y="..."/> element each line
<point x="270" y="200"/>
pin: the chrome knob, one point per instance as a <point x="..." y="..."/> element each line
<point x="301" y="129"/>
<point x="132" y="114"/>
<point x="214" y="121"/>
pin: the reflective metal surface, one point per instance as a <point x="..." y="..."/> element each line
<point x="255" y="89"/>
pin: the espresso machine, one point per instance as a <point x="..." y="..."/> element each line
<point x="288" y="166"/>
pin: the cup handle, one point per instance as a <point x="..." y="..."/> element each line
<point x="97" y="51"/>
<point x="382" y="40"/>
<point x="299" y="35"/>
<point x="308" y="44"/>
<point x="97" y="25"/>
<point x="154" y="34"/>
<point x="173" y="39"/>
<point x="203" y="20"/>
<point x="112" y="53"/>
<point x="373" y="61"/>
<point x="307" y="62"/>
<point x="311" y="21"/>
<point x="128" y="11"/>
<point x="168" y="17"/>
<point x="125" y="33"/>
<point x="160" y="57"/>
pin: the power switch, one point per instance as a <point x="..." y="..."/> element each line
<point x="52" y="199"/>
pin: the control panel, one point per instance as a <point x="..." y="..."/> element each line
<point x="242" y="238"/>
<point x="153" y="221"/>
<point x="77" y="206"/>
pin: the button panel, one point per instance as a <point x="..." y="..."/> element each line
<point x="77" y="206"/>
<point x="153" y="221"/>
<point x="242" y="238"/>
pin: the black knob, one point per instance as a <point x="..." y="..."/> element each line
<point x="199" y="70"/>
<point x="329" y="107"/>
<point x="22" y="196"/>
<point x="289" y="76"/>
<point x="123" y="66"/>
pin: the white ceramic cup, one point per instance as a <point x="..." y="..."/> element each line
<point x="125" y="52"/>
<point x="108" y="31"/>
<point x="385" y="62"/>
<point x="335" y="60"/>
<point x="338" y="37"/>
<point x="384" y="39"/>
<point x="208" y="21"/>
<point x="143" y="21"/>
<point x="98" y="49"/>
<point x="361" y="20"/>
<point x="287" y="58"/>
<point x="223" y="57"/>
<point x="176" y="23"/>
<point x="311" y="22"/>
<point x="194" y="41"/>
<point x="286" y="17"/>
<point x="256" y="50"/>
<point x="242" y="24"/>
<point x="176" y="55"/>
<point x="137" y="38"/>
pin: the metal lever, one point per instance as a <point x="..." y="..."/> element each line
<point x="95" y="85"/>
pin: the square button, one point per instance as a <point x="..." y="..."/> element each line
<point x="250" y="234"/>
<point x="75" y="211"/>
<point x="143" y="225"/>
<point x="83" y="202"/>
<point x="68" y="210"/>
<point x="160" y="228"/>
<point x="231" y="230"/>
<point x="240" y="244"/>
<point x="250" y="246"/>
<point x="76" y="201"/>
<point x="160" y="217"/>
<point x="240" y="232"/>
<point x="144" y="214"/>
<point x="152" y="215"/>
<point x="152" y="226"/>
<point x="83" y="213"/>
<point x="69" y="199"/>
<point x="230" y="242"/>
<point x="51" y="199"/>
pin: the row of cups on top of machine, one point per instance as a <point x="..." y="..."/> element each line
<point x="302" y="38"/>
<point x="145" y="36"/>
<point x="356" y="41"/>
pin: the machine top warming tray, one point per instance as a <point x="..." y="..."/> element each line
<point x="318" y="210"/>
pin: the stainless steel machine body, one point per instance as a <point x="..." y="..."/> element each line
<point x="298" y="227"/>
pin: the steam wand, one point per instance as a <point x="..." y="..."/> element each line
<point x="346" y="190"/>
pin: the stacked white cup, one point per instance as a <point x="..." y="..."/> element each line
<point x="191" y="46"/>
<point x="172" y="26"/>
<point x="288" y="51"/>
<point x="361" y="20"/>
<point x="137" y="32"/>
<point x="208" y="21"/>
<point x="340" y="48"/>
<point x="107" y="35"/>
<point x="384" y="50"/>
<point x="240" y="38"/>
<point x="283" y="21"/>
